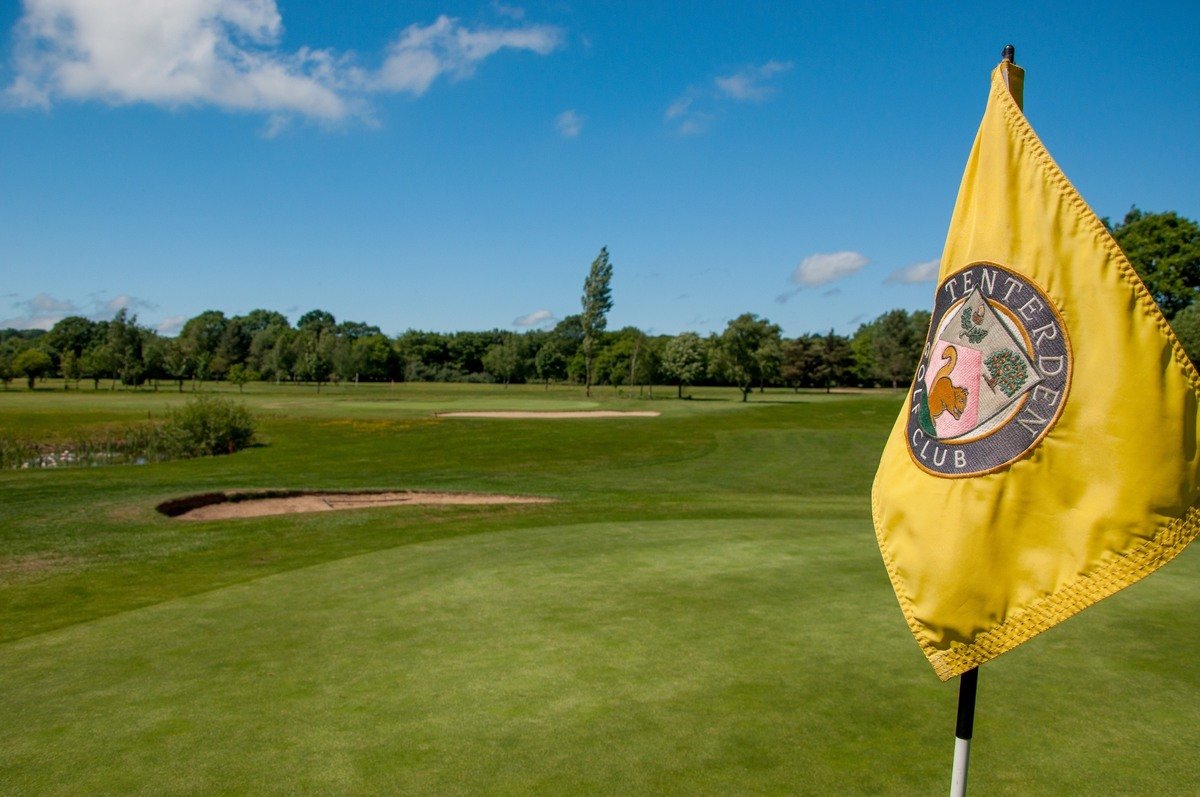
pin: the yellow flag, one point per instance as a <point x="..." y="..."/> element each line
<point x="1048" y="453"/>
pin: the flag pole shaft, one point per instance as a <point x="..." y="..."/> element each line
<point x="963" y="730"/>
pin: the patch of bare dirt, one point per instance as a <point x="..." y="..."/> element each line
<point x="224" y="506"/>
<point x="31" y="566"/>
<point x="553" y="415"/>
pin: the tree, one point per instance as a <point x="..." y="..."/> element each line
<point x="1186" y="324"/>
<point x="176" y="363"/>
<point x="256" y="321"/>
<point x="1164" y="248"/>
<point x="890" y="346"/>
<point x="71" y="334"/>
<point x="769" y="356"/>
<point x="836" y="362"/>
<point x="597" y="301"/>
<point x="201" y="339"/>
<point x="739" y="355"/>
<point x="646" y="367"/>
<point x="800" y="362"/>
<point x="32" y="363"/>
<point x="154" y="356"/>
<point x="239" y="375"/>
<point x="314" y="361"/>
<point x="613" y="364"/>
<point x="71" y="369"/>
<point x="7" y="372"/>
<point x="125" y="340"/>
<point x="684" y="360"/>
<point x="550" y="362"/>
<point x="503" y="360"/>
<point x="373" y="358"/>
<point x="422" y="354"/>
<point x="202" y="333"/>
<point x="98" y="362"/>
<point x="353" y="330"/>
<point x="233" y="347"/>
<point x="280" y="359"/>
<point x="316" y="319"/>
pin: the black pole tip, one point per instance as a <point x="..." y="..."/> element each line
<point x="1009" y="53"/>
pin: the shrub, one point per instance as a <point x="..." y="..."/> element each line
<point x="209" y="425"/>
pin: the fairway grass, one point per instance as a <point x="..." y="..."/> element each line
<point x="702" y="611"/>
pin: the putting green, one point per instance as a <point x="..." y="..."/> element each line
<point x="544" y="659"/>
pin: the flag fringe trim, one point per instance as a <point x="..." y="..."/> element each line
<point x="1129" y="566"/>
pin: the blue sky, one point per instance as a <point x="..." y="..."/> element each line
<point x="455" y="165"/>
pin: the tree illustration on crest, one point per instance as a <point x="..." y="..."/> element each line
<point x="970" y="324"/>
<point x="1007" y="371"/>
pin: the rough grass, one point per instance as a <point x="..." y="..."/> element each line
<point x="704" y="612"/>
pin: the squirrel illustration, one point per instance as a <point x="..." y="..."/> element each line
<point x="944" y="395"/>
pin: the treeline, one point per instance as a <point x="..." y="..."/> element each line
<point x="751" y="351"/>
<point x="263" y="345"/>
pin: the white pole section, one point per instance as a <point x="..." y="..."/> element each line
<point x="958" y="776"/>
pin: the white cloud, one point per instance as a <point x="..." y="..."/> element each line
<point x="747" y="84"/>
<point x="41" y="312"/>
<point x="512" y="12"/>
<point x="679" y="107"/>
<point x="420" y="55"/>
<point x="106" y="309"/>
<point x="210" y="52"/>
<point x="535" y="318"/>
<point x="694" y="110"/>
<point x="45" y="303"/>
<point x="170" y="325"/>
<point x="820" y="269"/>
<point x="569" y="123"/>
<point x="225" y="54"/>
<point x="917" y="272"/>
<point x="684" y="113"/>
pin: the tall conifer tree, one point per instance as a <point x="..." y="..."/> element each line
<point x="597" y="301"/>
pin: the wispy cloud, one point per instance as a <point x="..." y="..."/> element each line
<point x="43" y="311"/>
<point x="694" y="111"/>
<point x="170" y="325"/>
<point x="820" y="269"/>
<point x="226" y="54"/>
<point x="420" y="55"/>
<point x="680" y="106"/>
<point x="750" y="83"/>
<point x="569" y="123"/>
<point x="512" y="12"/>
<point x="107" y="308"/>
<point x="917" y="272"/>
<point x="536" y="318"/>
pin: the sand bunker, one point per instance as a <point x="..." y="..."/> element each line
<point x="552" y="415"/>
<point x="223" y="506"/>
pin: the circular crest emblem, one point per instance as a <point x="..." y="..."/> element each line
<point x="993" y="377"/>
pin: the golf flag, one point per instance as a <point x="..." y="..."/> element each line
<point x="1048" y="452"/>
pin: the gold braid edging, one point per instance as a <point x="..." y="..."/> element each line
<point x="1130" y="567"/>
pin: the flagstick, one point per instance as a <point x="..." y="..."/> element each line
<point x="963" y="729"/>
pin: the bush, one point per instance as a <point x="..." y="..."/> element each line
<point x="207" y="426"/>
<point x="203" y="427"/>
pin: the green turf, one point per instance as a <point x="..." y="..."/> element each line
<point x="703" y="611"/>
